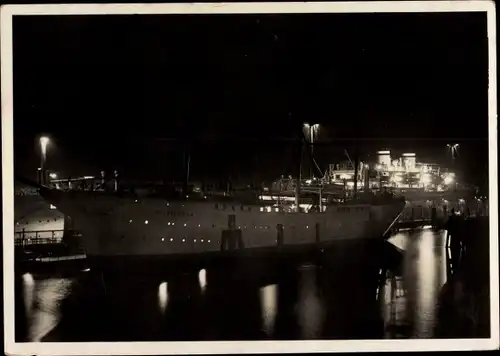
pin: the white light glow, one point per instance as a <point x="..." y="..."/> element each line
<point x="397" y="179"/>
<point x="268" y="302"/>
<point x="29" y="292"/>
<point x="53" y="175"/>
<point x="425" y="178"/>
<point x="44" y="142"/>
<point x="162" y="297"/>
<point x="202" y="279"/>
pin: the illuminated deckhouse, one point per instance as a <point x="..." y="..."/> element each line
<point x="402" y="172"/>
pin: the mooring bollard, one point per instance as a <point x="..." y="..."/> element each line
<point x="280" y="234"/>
<point x="433" y="217"/>
<point x="231" y="238"/>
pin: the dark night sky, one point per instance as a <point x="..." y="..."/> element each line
<point x="104" y="87"/>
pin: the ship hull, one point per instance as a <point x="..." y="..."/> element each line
<point x="127" y="229"/>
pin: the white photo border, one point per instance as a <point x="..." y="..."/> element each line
<point x="218" y="347"/>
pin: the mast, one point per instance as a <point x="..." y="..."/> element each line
<point x="299" y="173"/>
<point x="356" y="165"/>
<point x="186" y="166"/>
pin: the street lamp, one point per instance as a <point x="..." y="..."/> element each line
<point x="311" y="131"/>
<point x="453" y="150"/>
<point x="44" y="142"/>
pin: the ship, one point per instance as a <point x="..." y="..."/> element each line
<point x="117" y="225"/>
<point x="120" y="225"/>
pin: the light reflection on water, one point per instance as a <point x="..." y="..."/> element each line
<point x="269" y="302"/>
<point x="309" y="305"/>
<point x="426" y="287"/>
<point x="409" y="298"/>
<point x="202" y="279"/>
<point x="423" y="276"/>
<point x="163" y="296"/>
<point x="42" y="303"/>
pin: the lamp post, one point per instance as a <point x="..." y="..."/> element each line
<point x="44" y="142"/>
<point x="453" y="148"/>
<point x="311" y="132"/>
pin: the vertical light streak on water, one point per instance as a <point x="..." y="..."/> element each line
<point x="29" y="293"/>
<point x="202" y="279"/>
<point x="269" y="306"/>
<point x="310" y="308"/>
<point x="163" y="297"/>
<point x="46" y="314"/>
<point x="426" y="286"/>
<point x="400" y="240"/>
<point x="441" y="251"/>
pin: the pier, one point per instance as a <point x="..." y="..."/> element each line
<point x="412" y="260"/>
<point x="387" y="277"/>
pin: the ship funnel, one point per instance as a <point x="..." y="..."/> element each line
<point x="409" y="160"/>
<point x="384" y="158"/>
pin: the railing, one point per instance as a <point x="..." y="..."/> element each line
<point x="22" y="238"/>
<point x="46" y="234"/>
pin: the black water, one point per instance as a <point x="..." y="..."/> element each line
<point x="363" y="291"/>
